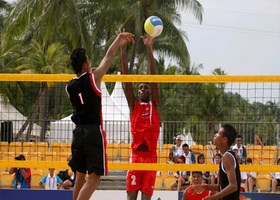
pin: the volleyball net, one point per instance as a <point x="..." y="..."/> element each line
<point x="35" y="118"/>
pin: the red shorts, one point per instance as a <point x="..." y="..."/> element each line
<point x="141" y="180"/>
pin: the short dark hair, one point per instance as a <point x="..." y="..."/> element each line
<point x="20" y="157"/>
<point x="230" y="133"/>
<point x="239" y="136"/>
<point x="218" y="154"/>
<point x="145" y="83"/>
<point x="249" y="160"/>
<point x="78" y="58"/>
<point x="201" y="155"/>
<point x="197" y="172"/>
<point x="185" y="145"/>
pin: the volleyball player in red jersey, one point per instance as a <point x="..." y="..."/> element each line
<point x="145" y="127"/>
<point x="196" y="180"/>
<point x="89" y="138"/>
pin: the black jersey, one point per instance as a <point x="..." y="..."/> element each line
<point x="224" y="180"/>
<point x="86" y="100"/>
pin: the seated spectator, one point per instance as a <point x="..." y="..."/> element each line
<point x="70" y="182"/>
<point x="205" y="174"/>
<point x="189" y="155"/>
<point x="22" y="178"/>
<point x="241" y="150"/>
<point x="51" y="181"/>
<point x="63" y="174"/>
<point x="176" y="150"/>
<point x="196" y="180"/>
<point x="275" y="178"/>
<point x="242" y="174"/>
<point x="67" y="184"/>
<point x="250" y="182"/>
<point x="182" y="176"/>
<point x="214" y="175"/>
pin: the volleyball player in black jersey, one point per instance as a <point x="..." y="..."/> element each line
<point x="89" y="139"/>
<point x="229" y="173"/>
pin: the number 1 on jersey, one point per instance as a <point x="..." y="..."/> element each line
<point x="81" y="98"/>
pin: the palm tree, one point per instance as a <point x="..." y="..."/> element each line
<point x="40" y="24"/>
<point x="47" y="22"/>
<point x="90" y="25"/>
<point x="36" y="60"/>
<point x="273" y="110"/>
<point x="2" y="8"/>
<point x="172" y="40"/>
<point x="211" y="103"/>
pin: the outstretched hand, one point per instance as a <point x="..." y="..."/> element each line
<point x="124" y="37"/>
<point x="148" y="40"/>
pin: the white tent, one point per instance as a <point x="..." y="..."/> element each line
<point x="10" y="113"/>
<point x="61" y="130"/>
<point x="119" y="99"/>
<point x="188" y="138"/>
<point x="115" y="118"/>
<point x="114" y="110"/>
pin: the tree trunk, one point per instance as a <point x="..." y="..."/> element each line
<point x="56" y="101"/>
<point x="132" y="59"/>
<point x="30" y="117"/>
<point x="44" y="110"/>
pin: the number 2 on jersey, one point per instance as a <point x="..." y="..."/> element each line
<point x="133" y="180"/>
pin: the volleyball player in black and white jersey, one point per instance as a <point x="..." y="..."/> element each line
<point x="89" y="139"/>
<point x="229" y="173"/>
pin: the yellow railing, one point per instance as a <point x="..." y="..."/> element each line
<point x="146" y="78"/>
<point x="139" y="166"/>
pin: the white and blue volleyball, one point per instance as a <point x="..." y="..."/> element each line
<point x="153" y="26"/>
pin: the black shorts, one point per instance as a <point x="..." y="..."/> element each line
<point x="88" y="150"/>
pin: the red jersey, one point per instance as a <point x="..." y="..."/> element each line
<point x="197" y="196"/>
<point x="145" y="125"/>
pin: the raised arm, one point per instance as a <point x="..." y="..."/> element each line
<point x="130" y="97"/>
<point x="103" y="67"/>
<point x="149" y="41"/>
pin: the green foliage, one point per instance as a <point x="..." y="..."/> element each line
<point x="38" y="36"/>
